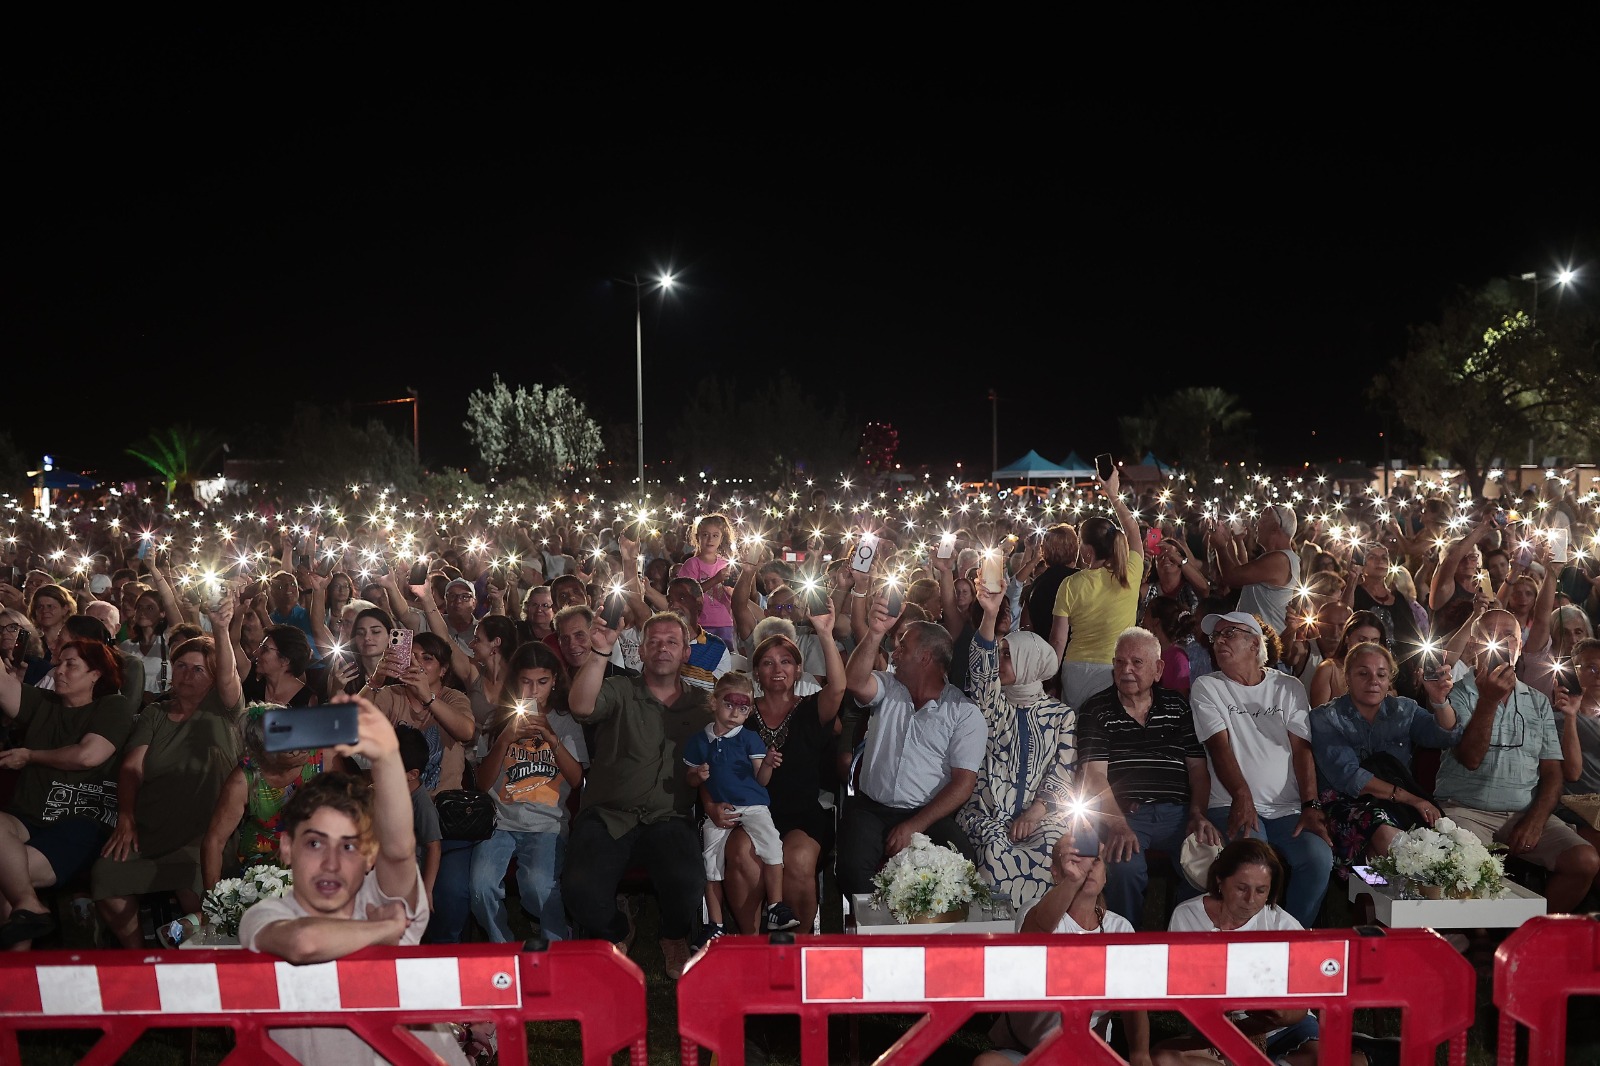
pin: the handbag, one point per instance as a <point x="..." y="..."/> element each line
<point x="464" y="814"/>
<point x="1387" y="768"/>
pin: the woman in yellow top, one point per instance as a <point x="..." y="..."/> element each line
<point x="1099" y="601"/>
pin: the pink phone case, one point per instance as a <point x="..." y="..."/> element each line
<point x="400" y="647"/>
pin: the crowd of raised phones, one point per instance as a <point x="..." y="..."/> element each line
<point x="726" y="694"/>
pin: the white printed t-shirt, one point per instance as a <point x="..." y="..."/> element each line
<point x="1259" y="720"/>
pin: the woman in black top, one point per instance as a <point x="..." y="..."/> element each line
<point x="801" y="728"/>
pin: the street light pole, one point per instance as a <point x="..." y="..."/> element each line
<point x="665" y="281"/>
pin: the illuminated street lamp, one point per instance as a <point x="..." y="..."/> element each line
<point x="661" y="283"/>
<point x="1563" y="278"/>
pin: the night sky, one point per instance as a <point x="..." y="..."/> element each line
<point x="206" y="241"/>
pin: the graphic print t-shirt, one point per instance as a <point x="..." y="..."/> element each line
<point x="530" y="795"/>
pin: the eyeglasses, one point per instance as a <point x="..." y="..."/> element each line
<point x="1232" y="634"/>
<point x="541" y="605"/>
<point x="782" y="607"/>
<point x="11" y="627"/>
<point x="458" y="597"/>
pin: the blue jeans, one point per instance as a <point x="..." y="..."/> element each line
<point x="450" y="893"/>
<point x="539" y="861"/>
<point x="1309" y="858"/>
<point x="1161" y="826"/>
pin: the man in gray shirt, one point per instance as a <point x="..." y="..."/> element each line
<point x="924" y="746"/>
<point x="1504" y="778"/>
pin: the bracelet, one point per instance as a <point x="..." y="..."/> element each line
<point x="858" y="595"/>
<point x="431" y="698"/>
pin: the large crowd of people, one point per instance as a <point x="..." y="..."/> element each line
<point x="726" y="697"/>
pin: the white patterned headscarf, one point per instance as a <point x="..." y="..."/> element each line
<point x="1035" y="662"/>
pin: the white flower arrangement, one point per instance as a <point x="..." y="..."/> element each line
<point x="1448" y="856"/>
<point x="925" y="880"/>
<point x="227" y="901"/>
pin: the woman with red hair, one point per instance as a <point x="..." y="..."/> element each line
<point x="59" y="818"/>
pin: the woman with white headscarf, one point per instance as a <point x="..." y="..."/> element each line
<point x="1030" y="735"/>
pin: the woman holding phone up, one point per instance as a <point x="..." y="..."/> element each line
<point x="1098" y="602"/>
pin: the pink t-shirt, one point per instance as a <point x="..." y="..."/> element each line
<point x="714" y="613"/>
<point x="1175" y="669"/>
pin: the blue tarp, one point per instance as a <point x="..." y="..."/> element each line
<point x="1032" y="465"/>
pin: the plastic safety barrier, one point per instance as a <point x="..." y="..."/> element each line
<point x="947" y="978"/>
<point x="1536" y="969"/>
<point x="374" y="993"/>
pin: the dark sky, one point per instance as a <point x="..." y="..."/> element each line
<point x="205" y="240"/>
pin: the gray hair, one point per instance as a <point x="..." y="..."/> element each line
<point x="1136" y="634"/>
<point x="768" y="627"/>
<point x="932" y="638"/>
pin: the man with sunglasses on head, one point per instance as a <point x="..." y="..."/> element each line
<point x="1504" y="779"/>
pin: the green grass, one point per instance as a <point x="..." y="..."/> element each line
<point x="776" y="1040"/>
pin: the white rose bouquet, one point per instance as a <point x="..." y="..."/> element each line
<point x="227" y="901"/>
<point x="925" y="880"/>
<point x="1447" y="856"/>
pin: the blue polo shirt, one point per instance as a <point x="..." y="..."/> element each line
<point x="733" y="775"/>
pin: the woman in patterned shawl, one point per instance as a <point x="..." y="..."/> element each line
<point x="1029" y="735"/>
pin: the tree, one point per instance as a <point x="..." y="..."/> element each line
<point x="1189" y="428"/>
<point x="1486" y="380"/>
<point x="771" y="436"/>
<point x="178" y="454"/>
<point x="13" y="465"/>
<point x="537" y="433"/>
<point x="325" y="448"/>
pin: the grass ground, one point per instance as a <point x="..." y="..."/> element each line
<point x="776" y="1041"/>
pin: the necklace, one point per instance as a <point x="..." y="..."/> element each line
<point x="773" y="738"/>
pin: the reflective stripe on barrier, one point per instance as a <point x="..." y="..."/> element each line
<point x="370" y="993"/>
<point x="1536" y="969"/>
<point x="949" y="977"/>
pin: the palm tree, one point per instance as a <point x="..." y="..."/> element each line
<point x="178" y="454"/>
<point x="1201" y="415"/>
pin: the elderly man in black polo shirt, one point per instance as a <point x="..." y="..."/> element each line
<point x="1144" y="770"/>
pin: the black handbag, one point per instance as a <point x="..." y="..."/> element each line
<point x="1387" y="768"/>
<point x="464" y="814"/>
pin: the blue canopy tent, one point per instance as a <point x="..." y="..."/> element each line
<point x="66" y="479"/>
<point x="1031" y="466"/>
<point x="1151" y="460"/>
<point x="1074" y="466"/>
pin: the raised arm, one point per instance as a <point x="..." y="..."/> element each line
<point x="859" y="679"/>
<point x="169" y="601"/>
<point x="1544" y="604"/>
<point x="745" y="612"/>
<point x="1443" y="585"/>
<point x="318" y="611"/>
<point x="585" y="691"/>
<point x="833" y="685"/>
<point x="460" y="661"/>
<point x="229" y="689"/>
<point x="391" y="804"/>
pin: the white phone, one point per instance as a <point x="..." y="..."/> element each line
<point x="947" y="545"/>
<point x="1560" y="538"/>
<point x="866" y="551"/>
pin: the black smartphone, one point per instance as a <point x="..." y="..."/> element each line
<point x="616" y="601"/>
<point x="1567" y="678"/>
<point x="1104" y="466"/>
<point x="1086" y="841"/>
<point x="1433" y="667"/>
<point x="310" y="728"/>
<point x="813" y="597"/>
<point x="1496" y="655"/>
<point x="894" y="598"/>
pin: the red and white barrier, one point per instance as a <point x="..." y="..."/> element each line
<point x="374" y="993"/>
<point x="1537" y="968"/>
<point x="949" y="977"/>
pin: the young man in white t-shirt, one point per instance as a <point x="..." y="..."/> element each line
<point x="353" y="853"/>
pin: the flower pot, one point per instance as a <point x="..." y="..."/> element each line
<point x="1430" y="891"/>
<point x="959" y="914"/>
<point x="1461" y="893"/>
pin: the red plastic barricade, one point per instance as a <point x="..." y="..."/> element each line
<point x="373" y="993"/>
<point x="1537" y="967"/>
<point x="949" y="977"/>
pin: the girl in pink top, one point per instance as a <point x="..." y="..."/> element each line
<point x="715" y="537"/>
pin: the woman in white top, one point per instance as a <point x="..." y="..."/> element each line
<point x="1073" y="904"/>
<point x="1245" y="886"/>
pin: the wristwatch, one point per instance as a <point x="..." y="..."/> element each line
<point x="1311" y="805"/>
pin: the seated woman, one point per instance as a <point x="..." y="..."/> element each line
<point x="802" y="728"/>
<point x="49" y="609"/>
<point x="358" y="659"/>
<point x="1328" y="682"/>
<point x="1363" y="743"/>
<point x="1030" y="738"/>
<point x="178" y="757"/>
<point x="68" y="742"/>
<point x="252" y="800"/>
<point x="1580" y="729"/>
<point x="425" y="702"/>
<point x="1074" y="904"/>
<point x="1243" y="894"/>
<point x="19" y="641"/>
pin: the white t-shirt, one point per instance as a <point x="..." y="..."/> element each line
<point x="1029" y="1030"/>
<point x="1191" y="917"/>
<point x="1259" y="720"/>
<point x="318" y="1045"/>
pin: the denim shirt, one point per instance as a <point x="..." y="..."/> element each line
<point x="1341" y="738"/>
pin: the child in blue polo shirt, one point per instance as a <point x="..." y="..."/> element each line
<point x="735" y="767"/>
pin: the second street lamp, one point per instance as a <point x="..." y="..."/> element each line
<point x="661" y="283"/>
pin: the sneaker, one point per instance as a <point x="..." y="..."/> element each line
<point x="779" y="919"/>
<point x="676" y="952"/>
<point x="709" y="932"/>
<point x="625" y="905"/>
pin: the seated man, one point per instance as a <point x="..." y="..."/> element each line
<point x="353" y="853"/>
<point x="1504" y="779"/>
<point x="1144" y="769"/>
<point x="923" y="750"/>
<point x="637" y="801"/>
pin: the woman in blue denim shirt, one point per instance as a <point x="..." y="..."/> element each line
<point x="1366" y="812"/>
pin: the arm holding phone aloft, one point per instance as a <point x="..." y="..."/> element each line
<point x="745" y="612"/>
<point x="228" y="681"/>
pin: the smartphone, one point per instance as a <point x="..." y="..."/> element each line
<point x="1086" y="841"/>
<point x="866" y="551"/>
<point x="310" y="728"/>
<point x="1358" y="557"/>
<point x="894" y="598"/>
<point x="1560" y="538"/>
<point x="793" y="556"/>
<point x="1525" y="554"/>
<point x="1485" y="585"/>
<point x="616" y="602"/>
<point x="1369" y="875"/>
<point x="813" y="597"/>
<point x="1496" y="656"/>
<point x="1567" y="678"/>
<point x="1433" y="667"/>
<point x="400" y="647"/>
<point x="1104" y="466"/>
<point x="947" y="545"/>
<point x="992" y="571"/>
